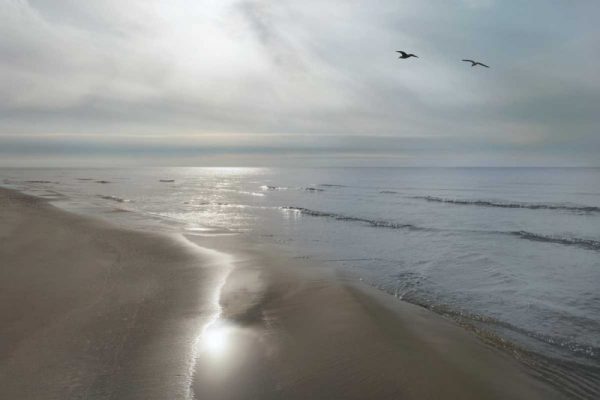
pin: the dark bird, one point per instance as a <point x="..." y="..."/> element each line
<point x="404" y="55"/>
<point x="474" y="63"/>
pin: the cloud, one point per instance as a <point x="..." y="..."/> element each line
<point x="313" y="69"/>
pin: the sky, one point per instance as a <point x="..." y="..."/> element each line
<point x="299" y="83"/>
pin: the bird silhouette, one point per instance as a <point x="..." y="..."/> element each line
<point x="404" y="55"/>
<point x="474" y="63"/>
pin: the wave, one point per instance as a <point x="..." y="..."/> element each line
<point x="501" y="204"/>
<point x="340" y="217"/>
<point x="114" y="198"/>
<point x="564" y="240"/>
<point x="577" y="377"/>
<point x="312" y="189"/>
<point x="227" y="205"/>
<point x="388" y="192"/>
<point x="40" y="182"/>
<point x="120" y="210"/>
<point x="583" y="350"/>
<point x="588" y="244"/>
<point x="267" y="187"/>
<point x="331" y="185"/>
<point x="241" y="192"/>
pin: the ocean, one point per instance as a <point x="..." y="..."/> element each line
<point x="511" y="253"/>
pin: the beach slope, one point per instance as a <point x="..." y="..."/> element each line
<point x="92" y="311"/>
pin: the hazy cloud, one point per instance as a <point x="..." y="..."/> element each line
<point x="287" y="72"/>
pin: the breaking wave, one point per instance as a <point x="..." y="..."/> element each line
<point x="114" y="198"/>
<point x="40" y="182"/>
<point x="340" y="217"/>
<point x="579" y="380"/>
<point x="564" y="240"/>
<point x="588" y="244"/>
<point x="501" y="204"/>
<point x="267" y="187"/>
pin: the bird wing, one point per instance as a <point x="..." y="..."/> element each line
<point x="483" y="65"/>
<point x="401" y="52"/>
<point x="471" y="61"/>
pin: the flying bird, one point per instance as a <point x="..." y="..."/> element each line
<point x="474" y="63"/>
<point x="404" y="55"/>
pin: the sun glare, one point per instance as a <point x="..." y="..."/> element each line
<point x="215" y="338"/>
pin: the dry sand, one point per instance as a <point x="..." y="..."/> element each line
<point x="90" y="311"/>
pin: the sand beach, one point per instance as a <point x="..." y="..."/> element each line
<point x="93" y="311"/>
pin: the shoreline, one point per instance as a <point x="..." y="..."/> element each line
<point x="89" y="311"/>
<point x="103" y="312"/>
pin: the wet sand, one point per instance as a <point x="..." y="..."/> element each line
<point x="91" y="311"/>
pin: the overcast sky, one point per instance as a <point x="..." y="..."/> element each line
<point x="287" y="82"/>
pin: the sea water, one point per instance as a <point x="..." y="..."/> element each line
<point x="512" y="253"/>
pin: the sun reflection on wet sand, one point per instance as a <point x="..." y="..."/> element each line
<point x="228" y="354"/>
<point x="213" y="339"/>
